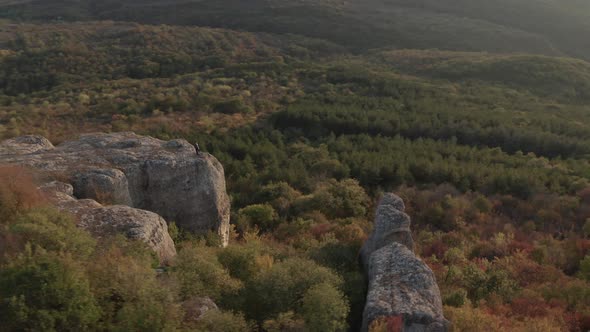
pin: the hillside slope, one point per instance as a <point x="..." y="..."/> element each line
<point x="495" y="26"/>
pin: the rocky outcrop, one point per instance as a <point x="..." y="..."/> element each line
<point x="104" y="221"/>
<point x="195" y="308"/>
<point x="164" y="177"/>
<point x="401" y="287"/>
<point x="25" y="145"/>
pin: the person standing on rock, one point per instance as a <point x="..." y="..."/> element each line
<point x="197" y="148"/>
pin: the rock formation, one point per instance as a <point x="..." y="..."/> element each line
<point x="102" y="221"/>
<point x="401" y="286"/>
<point x="164" y="177"/>
<point x="391" y="225"/>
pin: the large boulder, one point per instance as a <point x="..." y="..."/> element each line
<point x="402" y="288"/>
<point x="106" y="221"/>
<point x="195" y="308"/>
<point x="109" y="186"/>
<point x="166" y="177"/>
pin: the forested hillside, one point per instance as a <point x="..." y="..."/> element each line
<point x="477" y="113"/>
<point x="550" y="27"/>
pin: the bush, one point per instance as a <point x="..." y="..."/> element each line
<point x="338" y="256"/>
<point x="469" y="319"/>
<point x="199" y="273"/>
<point x="586" y="228"/>
<point x="46" y="292"/>
<point x="279" y="195"/>
<point x="221" y="321"/>
<point x="481" y="284"/>
<point x="285" y="322"/>
<point x="386" y="324"/>
<point x="174" y="232"/>
<point x="341" y="199"/>
<point x="53" y="231"/>
<point x="240" y="261"/>
<point x="545" y="324"/>
<point x="17" y="192"/>
<point x="231" y="107"/>
<point x="574" y="292"/>
<point x="281" y="288"/>
<point x="128" y="291"/>
<point x="585" y="268"/>
<point x="324" y="309"/>
<point x="456" y="299"/>
<point x="261" y="215"/>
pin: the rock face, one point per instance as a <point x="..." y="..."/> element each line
<point x="110" y="186"/>
<point x="401" y="286"/>
<point x="165" y="177"/>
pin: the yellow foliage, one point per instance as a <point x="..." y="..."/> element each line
<point x="538" y="324"/>
<point x="378" y="325"/>
<point x="264" y="262"/>
<point x="469" y="319"/>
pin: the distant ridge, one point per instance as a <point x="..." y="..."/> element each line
<point x="494" y="26"/>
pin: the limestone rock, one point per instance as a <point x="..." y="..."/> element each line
<point x="135" y="224"/>
<point x="401" y="286"/>
<point x="393" y="200"/>
<point x="104" y="221"/>
<point x="391" y="225"/>
<point x="55" y="188"/>
<point x="195" y="308"/>
<point x="108" y="186"/>
<point x="25" y="145"/>
<point x="165" y="177"/>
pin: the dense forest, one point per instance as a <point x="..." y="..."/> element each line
<point x="553" y="27"/>
<point x="472" y="111"/>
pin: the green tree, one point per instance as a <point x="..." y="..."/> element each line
<point x="341" y="199"/>
<point x="324" y="309"/>
<point x="128" y="291"/>
<point x="279" y="195"/>
<point x="46" y="291"/>
<point x="199" y="273"/>
<point x="261" y="215"/>
<point x="282" y="287"/>
<point x="53" y="231"/>
<point x="585" y="268"/>
<point x="240" y="261"/>
<point x="285" y="322"/>
<point x="222" y="321"/>
<point x="586" y="228"/>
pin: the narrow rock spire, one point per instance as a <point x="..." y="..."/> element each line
<point x="402" y="288"/>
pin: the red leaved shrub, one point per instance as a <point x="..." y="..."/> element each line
<point x="319" y="231"/>
<point x="529" y="307"/>
<point x="17" y="192"/>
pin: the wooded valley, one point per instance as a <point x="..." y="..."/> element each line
<point x="477" y="113"/>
